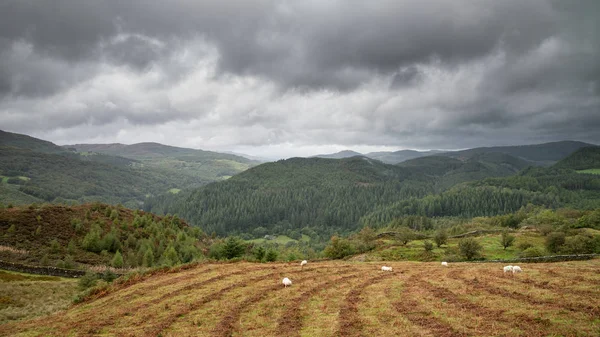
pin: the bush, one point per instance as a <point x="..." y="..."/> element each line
<point x="117" y="260"/>
<point x="233" y="247"/>
<point x="524" y="245"/>
<point x="271" y="255"/>
<point x="532" y="252"/>
<point x="88" y="280"/>
<point x="579" y="244"/>
<point x="554" y="241"/>
<point x="469" y="248"/>
<point x="428" y="246"/>
<point x="259" y="253"/>
<point x="441" y="237"/>
<point x="339" y="248"/>
<point x="506" y="240"/>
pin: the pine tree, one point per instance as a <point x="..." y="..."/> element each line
<point x="117" y="260"/>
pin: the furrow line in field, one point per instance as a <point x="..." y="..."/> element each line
<point x="349" y="322"/>
<point x="529" y="325"/>
<point x="227" y="325"/>
<point x="409" y="308"/>
<point x="482" y="285"/>
<point x="290" y="323"/>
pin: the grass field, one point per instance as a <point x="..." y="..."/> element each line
<point x="590" y="171"/>
<point x="341" y="299"/>
<point x="25" y="296"/>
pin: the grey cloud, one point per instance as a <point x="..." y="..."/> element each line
<point x="421" y="73"/>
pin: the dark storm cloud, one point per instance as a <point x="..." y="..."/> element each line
<point x="413" y="73"/>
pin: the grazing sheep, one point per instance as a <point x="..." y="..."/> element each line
<point x="384" y="268"/>
<point x="445" y="264"/>
<point x="286" y="282"/>
<point x="516" y="269"/>
<point x="508" y="269"/>
<point x="303" y="263"/>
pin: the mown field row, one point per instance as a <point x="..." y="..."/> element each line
<point x="341" y="299"/>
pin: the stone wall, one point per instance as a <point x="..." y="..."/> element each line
<point x="41" y="270"/>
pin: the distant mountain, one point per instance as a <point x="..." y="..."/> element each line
<point x="451" y="171"/>
<point x="339" y="155"/>
<point x="27" y="142"/>
<point x="539" y="154"/>
<point x="204" y="166"/>
<point x="34" y="170"/>
<point x="400" y="156"/>
<point x="582" y="159"/>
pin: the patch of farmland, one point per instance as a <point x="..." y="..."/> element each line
<point x="333" y="298"/>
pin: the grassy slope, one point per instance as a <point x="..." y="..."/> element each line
<point x="24" y="296"/>
<point x="341" y="298"/>
<point x="589" y="171"/>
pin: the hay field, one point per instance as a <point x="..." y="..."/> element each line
<point x="334" y="298"/>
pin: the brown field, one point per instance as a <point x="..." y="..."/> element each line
<point x="341" y="299"/>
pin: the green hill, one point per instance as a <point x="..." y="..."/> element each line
<point x="321" y="196"/>
<point x="65" y="177"/>
<point x="538" y="154"/>
<point x="313" y="195"/>
<point x="400" y="156"/>
<point x="583" y="159"/>
<point x="9" y="139"/>
<point x="91" y="234"/>
<point x="200" y="166"/>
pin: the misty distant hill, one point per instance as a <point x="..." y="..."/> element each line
<point x="400" y="156"/>
<point x="583" y="159"/>
<point x="27" y="142"/>
<point x="339" y="155"/>
<point x="538" y="154"/>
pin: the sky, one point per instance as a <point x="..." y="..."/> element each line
<point x="297" y="78"/>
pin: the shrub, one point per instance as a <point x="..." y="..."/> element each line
<point x="554" y="241"/>
<point x="271" y="255"/>
<point x="441" y="237"/>
<point x="117" y="260"/>
<point x="233" y="247"/>
<point x="339" y="248"/>
<point x="579" y="244"/>
<point x="259" y="253"/>
<point x="54" y="246"/>
<point x="532" y="252"/>
<point x="469" y="248"/>
<point x="428" y="246"/>
<point x="88" y="280"/>
<point x="524" y="245"/>
<point x="506" y="240"/>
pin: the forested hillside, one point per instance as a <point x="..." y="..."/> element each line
<point x="199" y="166"/>
<point x="583" y="159"/>
<point x="538" y="154"/>
<point x="34" y="170"/>
<point x="93" y="234"/>
<point x="310" y="194"/>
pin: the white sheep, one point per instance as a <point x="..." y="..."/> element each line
<point x="445" y="264"/>
<point x="303" y="263"/>
<point x="508" y="269"/>
<point x="516" y="269"/>
<point x="286" y="282"/>
<point x="384" y="268"/>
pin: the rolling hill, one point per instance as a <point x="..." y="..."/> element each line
<point x="198" y="165"/>
<point x="538" y="154"/>
<point x="91" y="234"/>
<point x="339" y="155"/>
<point x="34" y="170"/>
<point x="400" y="156"/>
<point x="583" y="159"/>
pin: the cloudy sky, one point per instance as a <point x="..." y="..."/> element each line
<point x="287" y="78"/>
